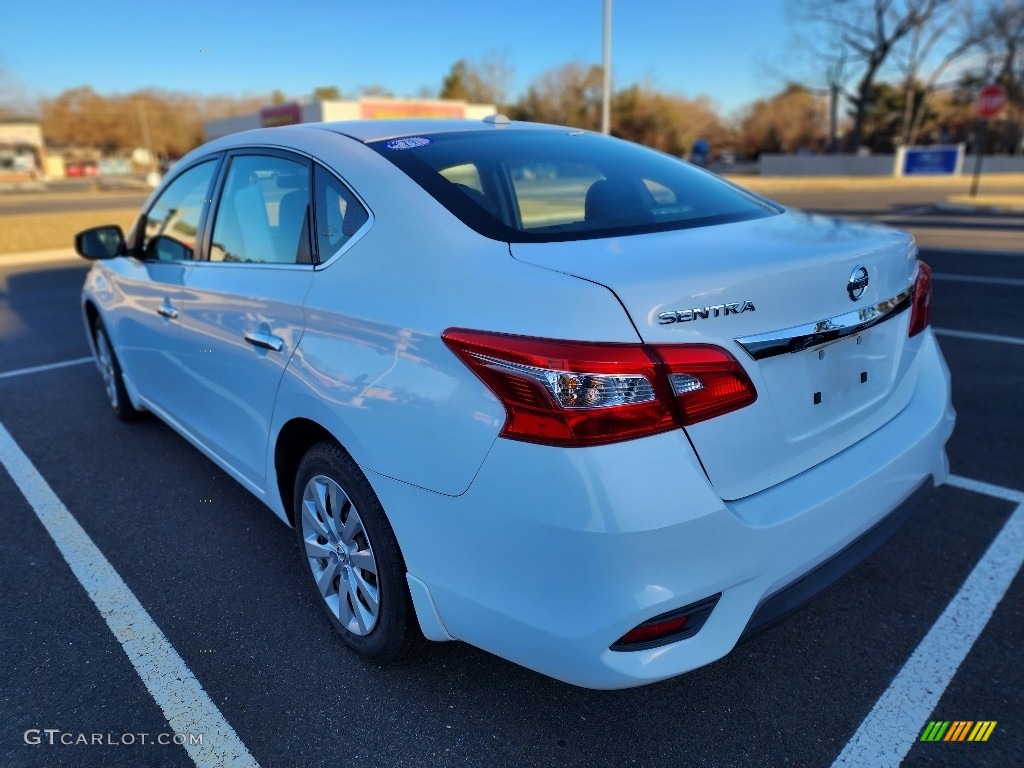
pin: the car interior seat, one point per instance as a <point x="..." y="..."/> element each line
<point x="614" y="204"/>
<point x="293" y="228"/>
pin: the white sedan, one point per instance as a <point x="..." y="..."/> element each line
<point x="562" y="397"/>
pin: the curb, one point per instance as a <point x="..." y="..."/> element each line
<point x="983" y="204"/>
<point x="49" y="256"/>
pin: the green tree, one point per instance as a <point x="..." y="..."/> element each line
<point x="883" y="117"/>
<point x="326" y="93"/>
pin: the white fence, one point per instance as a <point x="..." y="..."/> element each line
<point x="870" y="165"/>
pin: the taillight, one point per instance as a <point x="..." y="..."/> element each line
<point x="706" y="381"/>
<point x="921" y="311"/>
<point x="584" y="393"/>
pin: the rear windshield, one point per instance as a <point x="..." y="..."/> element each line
<point x="526" y="185"/>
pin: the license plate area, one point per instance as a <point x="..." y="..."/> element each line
<point x="823" y="388"/>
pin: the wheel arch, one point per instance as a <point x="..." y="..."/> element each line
<point x="294" y="439"/>
<point x="91" y="313"/>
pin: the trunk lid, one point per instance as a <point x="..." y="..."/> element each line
<point x="741" y="283"/>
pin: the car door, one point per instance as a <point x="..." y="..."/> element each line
<point x="242" y="308"/>
<point x="145" y="322"/>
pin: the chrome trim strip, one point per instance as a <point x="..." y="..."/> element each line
<point x="801" y="337"/>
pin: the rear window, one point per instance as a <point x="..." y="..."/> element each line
<point x="526" y="185"/>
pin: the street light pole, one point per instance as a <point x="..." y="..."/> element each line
<point x="145" y="130"/>
<point x="606" y="98"/>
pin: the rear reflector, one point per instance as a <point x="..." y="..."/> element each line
<point x="571" y="393"/>
<point x="668" y="627"/>
<point x="921" y="311"/>
<point x="647" y="632"/>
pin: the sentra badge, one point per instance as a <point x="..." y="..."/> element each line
<point x="705" y="313"/>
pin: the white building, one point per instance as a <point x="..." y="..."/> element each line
<point x="21" y="149"/>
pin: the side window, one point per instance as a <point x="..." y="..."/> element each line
<point x="465" y="175"/>
<point x="170" y="225"/>
<point x="339" y="215"/>
<point x="263" y="212"/>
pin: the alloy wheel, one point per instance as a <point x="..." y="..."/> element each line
<point x="338" y="550"/>
<point x="105" y="362"/>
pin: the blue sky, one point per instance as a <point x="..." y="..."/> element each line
<point x="731" y="52"/>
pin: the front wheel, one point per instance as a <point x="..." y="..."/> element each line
<point x="110" y="370"/>
<point x="352" y="555"/>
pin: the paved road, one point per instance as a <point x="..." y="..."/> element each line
<point x="222" y="581"/>
<point x="884" y="199"/>
<point x="11" y="205"/>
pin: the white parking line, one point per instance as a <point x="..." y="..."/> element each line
<point x="978" y="279"/>
<point x="978" y="336"/>
<point x="41" y="368"/>
<point x="891" y="728"/>
<point x="185" y="704"/>
<point x="986" y="489"/>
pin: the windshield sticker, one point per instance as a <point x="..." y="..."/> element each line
<point x="411" y="142"/>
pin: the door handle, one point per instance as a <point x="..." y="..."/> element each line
<point x="265" y="340"/>
<point x="167" y="311"/>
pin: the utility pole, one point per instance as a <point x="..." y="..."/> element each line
<point x="145" y="129"/>
<point x="606" y="97"/>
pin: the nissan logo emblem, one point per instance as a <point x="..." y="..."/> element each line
<point x="858" y="282"/>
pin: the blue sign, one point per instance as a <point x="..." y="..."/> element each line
<point x="700" y="151"/>
<point x="931" y="161"/>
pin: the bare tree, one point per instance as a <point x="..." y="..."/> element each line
<point x="788" y="121"/>
<point x="669" y="122"/>
<point x="13" y="101"/>
<point x="376" y="91"/>
<point x="864" y="34"/>
<point x="568" y="95"/>
<point x="1000" y="33"/>
<point x="949" y="20"/>
<point x="168" y="123"/>
<point x="487" y="81"/>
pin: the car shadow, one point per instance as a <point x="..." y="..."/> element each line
<point x="40" y="320"/>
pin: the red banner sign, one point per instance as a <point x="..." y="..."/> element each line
<point x="283" y="114"/>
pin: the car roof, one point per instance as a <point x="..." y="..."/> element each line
<point x="377" y="130"/>
<point x="363" y="131"/>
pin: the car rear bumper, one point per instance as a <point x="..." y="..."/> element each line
<point x="554" y="554"/>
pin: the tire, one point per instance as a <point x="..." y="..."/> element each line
<point x="110" y="370"/>
<point x="352" y="556"/>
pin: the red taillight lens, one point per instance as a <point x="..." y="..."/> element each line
<point x="921" y="311"/>
<point x="583" y="393"/>
<point x="706" y="381"/>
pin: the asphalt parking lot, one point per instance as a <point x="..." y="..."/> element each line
<point x="930" y="628"/>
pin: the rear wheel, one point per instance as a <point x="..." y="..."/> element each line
<point x="352" y="555"/>
<point x="110" y="370"/>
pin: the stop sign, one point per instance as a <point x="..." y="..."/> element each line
<point x="989" y="101"/>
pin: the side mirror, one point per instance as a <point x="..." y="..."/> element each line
<point x="100" y="243"/>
